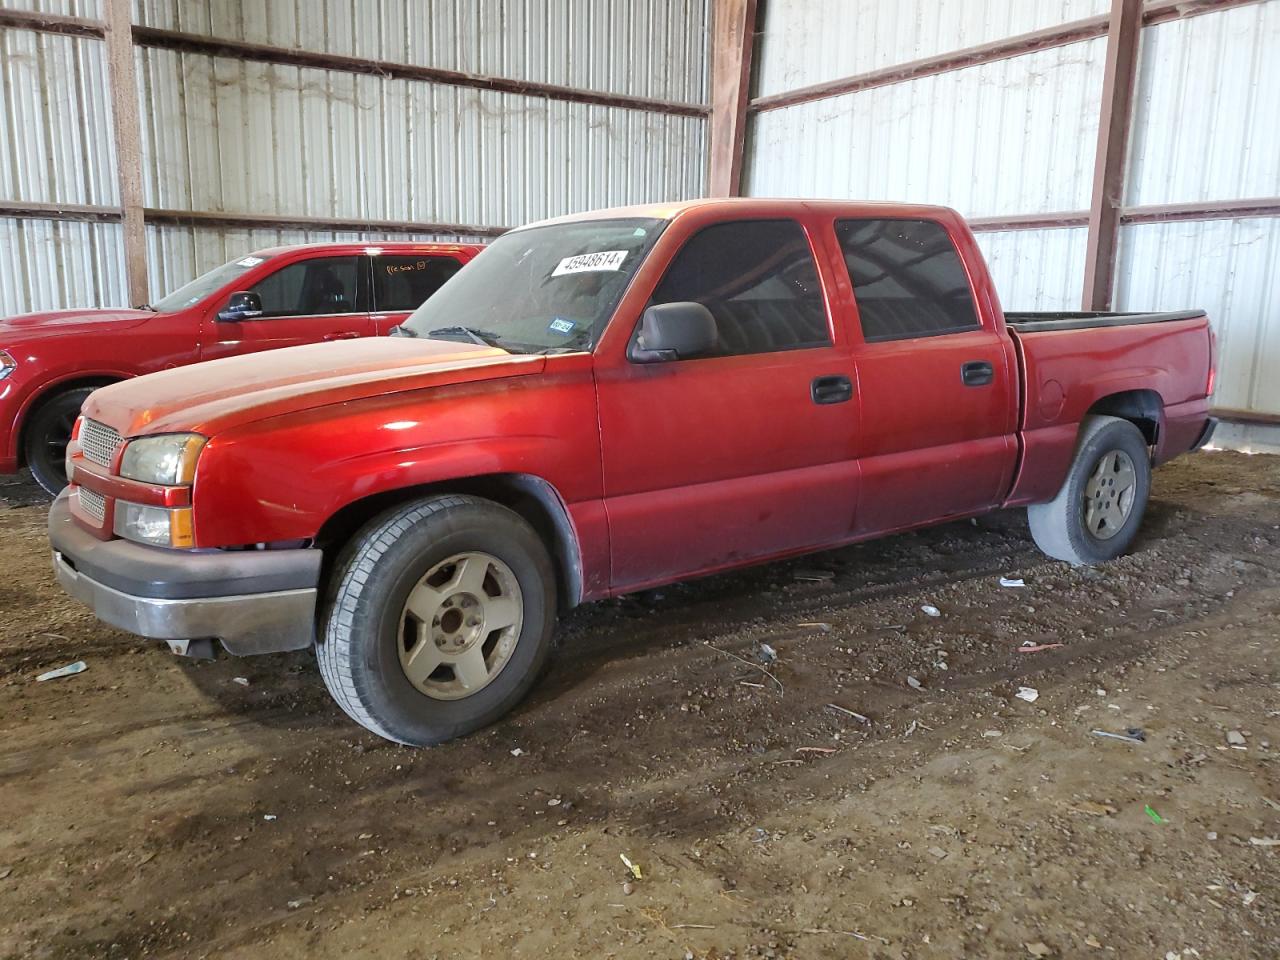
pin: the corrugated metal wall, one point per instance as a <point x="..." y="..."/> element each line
<point x="229" y="136"/>
<point x="1018" y="137"/>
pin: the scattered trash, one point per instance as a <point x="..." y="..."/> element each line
<point x="1092" y="941"/>
<point x="268" y="816"/>
<point x="1211" y="835"/>
<point x="633" y="867"/>
<point x="824" y="627"/>
<point x="553" y="802"/>
<point x="295" y="904"/>
<point x="1249" y="897"/>
<point x="727" y="653"/>
<point x="517" y="752"/>
<point x="1264" y="841"/>
<point x="911" y="728"/>
<point x="1029" y="694"/>
<point x="857" y="716"/>
<point x="1132" y="735"/>
<point x="243" y="681"/>
<point x="992" y="733"/>
<point x="70" y="670"/>
<point x="914" y="684"/>
<point x="1039" y="949"/>
<point x="815" y="750"/>
<point x="930" y="610"/>
<point x="4" y="872"/>
<point x="1095" y="809"/>
<point x="766" y="653"/>
<point x="1011" y="582"/>
<point x="1236" y="739"/>
<point x="938" y="852"/>
<point x="815" y="576"/>
<point x="1155" y="817"/>
<point x="1029" y="647"/>
<point x="627" y="888"/>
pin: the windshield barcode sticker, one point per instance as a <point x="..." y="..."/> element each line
<point x="584" y="262"/>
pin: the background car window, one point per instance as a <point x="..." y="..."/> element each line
<point x="405" y="283"/>
<point x="317" y="287"/>
<point x="907" y="279"/>
<point x="758" y="279"/>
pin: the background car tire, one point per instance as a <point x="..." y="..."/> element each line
<point x="1060" y="526"/>
<point x="359" y="647"/>
<point x="46" y="434"/>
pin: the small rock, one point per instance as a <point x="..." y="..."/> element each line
<point x="1235" y="738"/>
<point x="992" y="733"/>
<point x="938" y="852"/>
<point x="930" y="610"/>
<point x="627" y="888"/>
<point x="914" y="684"/>
<point x="1039" y="949"/>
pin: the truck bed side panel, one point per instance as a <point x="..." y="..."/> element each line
<point x="1066" y="372"/>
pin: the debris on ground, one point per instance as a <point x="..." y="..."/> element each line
<point x="1235" y="738"/>
<point x="815" y="576"/>
<point x="914" y="684"/>
<point x="1155" y="817"/>
<point x="1265" y="841"/>
<point x="1029" y="646"/>
<point x="70" y="670"/>
<point x="852" y="713"/>
<point x="766" y="653"/>
<point x="930" y="610"/>
<point x="1132" y="735"/>
<point x="1039" y="949"/>
<point x="269" y="816"/>
<point x="824" y="627"/>
<point x="1029" y="694"/>
<point x="243" y="681"/>
<point x="633" y="867"/>
<point x="1012" y="582"/>
<point x="517" y="752"/>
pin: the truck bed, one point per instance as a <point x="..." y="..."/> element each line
<point x="1039" y="322"/>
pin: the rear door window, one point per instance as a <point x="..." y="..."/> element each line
<point x="404" y="283"/>
<point x="907" y="278"/>
<point x="311" y="288"/>
<point x="759" y="280"/>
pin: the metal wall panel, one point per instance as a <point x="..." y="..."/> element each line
<point x="88" y="9"/>
<point x="1014" y="136"/>
<point x="648" y="49"/>
<point x="1231" y="268"/>
<point x="814" y="41"/>
<point x="179" y="253"/>
<point x="47" y="265"/>
<point x="1036" y="269"/>
<point x="1207" y="109"/>
<point x="222" y="134"/>
<point x="56" y="141"/>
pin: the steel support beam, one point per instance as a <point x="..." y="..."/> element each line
<point x="128" y="139"/>
<point x="285" y="221"/>
<point x="52" y="23"/>
<point x="733" y="25"/>
<point x="1116" y="116"/>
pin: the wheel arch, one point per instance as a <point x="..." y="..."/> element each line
<point x="47" y="392"/>
<point x="1143" y="408"/>
<point x="532" y="497"/>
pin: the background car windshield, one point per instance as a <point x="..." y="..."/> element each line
<point x="542" y="289"/>
<point x="203" y="285"/>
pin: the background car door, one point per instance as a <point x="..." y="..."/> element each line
<point x="306" y="301"/>
<point x="937" y="389"/>
<point x="403" y="282"/>
<point x="712" y="461"/>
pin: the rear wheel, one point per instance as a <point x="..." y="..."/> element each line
<point x="440" y="619"/>
<point x="1096" y="514"/>
<point x="46" y="436"/>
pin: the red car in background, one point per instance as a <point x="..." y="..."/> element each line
<point x="281" y="297"/>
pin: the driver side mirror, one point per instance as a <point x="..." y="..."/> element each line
<point x="674" y="331"/>
<point x="243" y="305"/>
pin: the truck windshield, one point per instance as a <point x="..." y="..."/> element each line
<point x="205" y="284"/>
<point x="541" y="290"/>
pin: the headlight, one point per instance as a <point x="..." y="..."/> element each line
<point x="7" y="363"/>
<point x="158" y="525"/>
<point x="169" y="459"/>
<point x="73" y="447"/>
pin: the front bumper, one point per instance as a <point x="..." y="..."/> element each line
<point x="254" y="601"/>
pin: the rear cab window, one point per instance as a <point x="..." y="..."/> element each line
<point x="760" y="282"/>
<point x="908" y="279"/>
<point x="402" y="283"/>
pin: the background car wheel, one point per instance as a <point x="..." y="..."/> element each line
<point x="440" y="619"/>
<point x="1096" y="514"/>
<point x="46" y="435"/>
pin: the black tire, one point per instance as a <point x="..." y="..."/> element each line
<point x="358" y="649"/>
<point x="46" y="435"/>
<point x="1059" y="526"/>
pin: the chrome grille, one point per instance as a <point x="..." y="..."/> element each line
<point x="94" y="504"/>
<point x="98" y="442"/>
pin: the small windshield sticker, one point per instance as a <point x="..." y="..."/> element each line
<point x="249" y="262"/>
<point x="585" y="262"/>
<point x="561" y="325"/>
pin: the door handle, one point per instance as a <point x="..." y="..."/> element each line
<point x="831" y="389"/>
<point x="345" y="335"/>
<point x="977" y="373"/>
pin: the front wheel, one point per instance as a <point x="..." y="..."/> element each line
<point x="440" y="619"/>
<point x="46" y="437"/>
<point x="1096" y="514"/>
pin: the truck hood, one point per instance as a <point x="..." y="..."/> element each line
<point x="215" y="396"/>
<point x="61" y="323"/>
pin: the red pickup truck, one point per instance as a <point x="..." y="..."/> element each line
<point x="600" y="404"/>
<point x="49" y="362"/>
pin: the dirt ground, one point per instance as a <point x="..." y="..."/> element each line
<point x="157" y="807"/>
